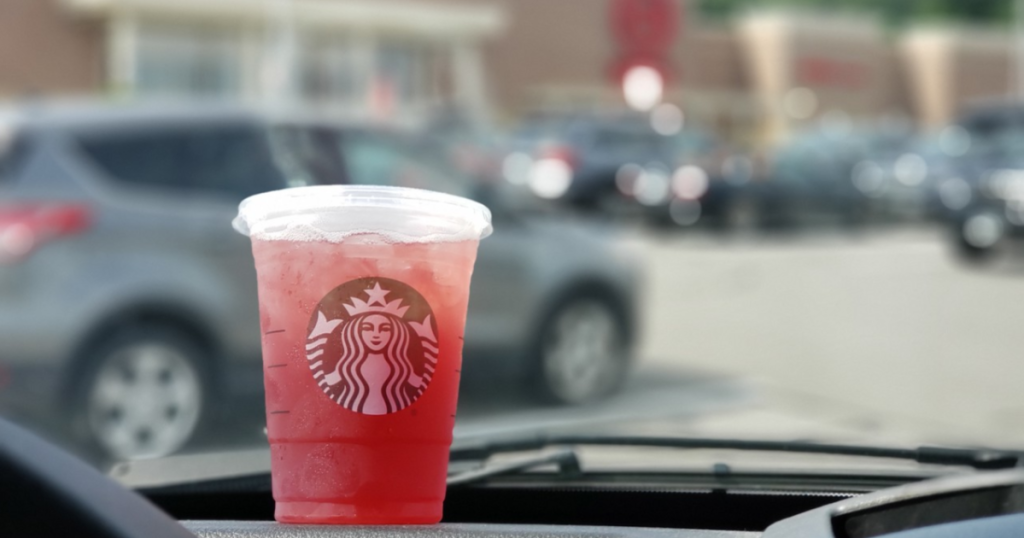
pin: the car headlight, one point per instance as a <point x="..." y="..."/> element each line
<point x="869" y="178"/>
<point x="1004" y="184"/>
<point x="689" y="182"/>
<point x="516" y="168"/>
<point x="550" y="178"/>
<point x="652" y="186"/>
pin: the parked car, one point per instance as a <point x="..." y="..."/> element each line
<point x="712" y="183"/>
<point x="982" y="194"/>
<point x="804" y="181"/>
<point x="127" y="298"/>
<point x="551" y="302"/>
<point x="811" y="181"/>
<point x="895" y="170"/>
<point x="978" y="187"/>
<point x="576" y="159"/>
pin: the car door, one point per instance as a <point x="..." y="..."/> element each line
<point x="178" y="189"/>
<point x="224" y="165"/>
<point x="500" y="301"/>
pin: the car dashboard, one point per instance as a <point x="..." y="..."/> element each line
<point x="47" y="492"/>
<point x="986" y="504"/>
<point x="263" y="529"/>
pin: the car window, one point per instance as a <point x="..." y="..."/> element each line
<point x="382" y="160"/>
<point x="308" y="155"/>
<point x="233" y="160"/>
<point x="14" y="149"/>
<point x="626" y="140"/>
<point x="797" y="219"/>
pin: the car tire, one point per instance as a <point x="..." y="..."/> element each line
<point x="581" y="350"/>
<point x="144" y="392"/>
<point x="970" y="248"/>
<point x="741" y="214"/>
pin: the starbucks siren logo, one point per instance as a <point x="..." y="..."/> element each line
<point x="374" y="356"/>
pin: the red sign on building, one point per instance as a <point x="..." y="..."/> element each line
<point x="823" y="72"/>
<point x="644" y="31"/>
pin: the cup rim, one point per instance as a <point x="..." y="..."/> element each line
<point x="327" y="199"/>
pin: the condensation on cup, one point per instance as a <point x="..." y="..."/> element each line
<point x="363" y="293"/>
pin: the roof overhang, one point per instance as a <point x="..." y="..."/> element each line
<point x="401" y="16"/>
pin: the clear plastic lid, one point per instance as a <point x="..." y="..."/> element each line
<point x="334" y="212"/>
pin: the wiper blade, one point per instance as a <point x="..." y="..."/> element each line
<point x="568" y="464"/>
<point x="978" y="459"/>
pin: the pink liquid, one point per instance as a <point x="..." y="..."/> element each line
<point x="361" y="403"/>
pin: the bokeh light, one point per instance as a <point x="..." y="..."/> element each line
<point x="550" y="178"/>
<point x="667" y="119"/>
<point x="983" y="230"/>
<point x="516" y="168"/>
<point x="690" y="182"/>
<point x="685" y="212"/>
<point x="869" y="178"/>
<point x="642" y="86"/>
<point x="955" y="193"/>
<point x="954" y="141"/>
<point x="910" y="169"/>
<point x="652" y="186"/>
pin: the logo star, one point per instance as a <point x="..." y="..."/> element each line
<point x="376" y="295"/>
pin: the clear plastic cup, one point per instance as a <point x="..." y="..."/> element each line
<point x="363" y="293"/>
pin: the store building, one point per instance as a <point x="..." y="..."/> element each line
<point x="753" y="81"/>
<point x="380" y="57"/>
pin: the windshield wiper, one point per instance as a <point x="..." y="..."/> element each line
<point x="978" y="459"/>
<point x="567" y="461"/>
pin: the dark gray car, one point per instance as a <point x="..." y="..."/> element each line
<point x="127" y="298"/>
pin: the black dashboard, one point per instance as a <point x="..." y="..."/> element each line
<point x="969" y="503"/>
<point x="253" y="529"/>
<point x="46" y="492"/>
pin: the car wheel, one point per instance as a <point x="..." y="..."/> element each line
<point x="977" y="237"/>
<point x="582" y="350"/>
<point x="143" y="394"/>
<point x="741" y="214"/>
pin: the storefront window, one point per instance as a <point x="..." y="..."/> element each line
<point x="333" y="71"/>
<point x="383" y="75"/>
<point x="188" y="61"/>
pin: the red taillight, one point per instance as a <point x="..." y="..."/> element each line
<point x="26" y="226"/>
<point x="561" y="153"/>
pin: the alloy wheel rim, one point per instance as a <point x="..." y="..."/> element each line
<point x="145" y="402"/>
<point x="581" y="351"/>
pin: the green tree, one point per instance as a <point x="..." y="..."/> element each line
<point x="894" y="12"/>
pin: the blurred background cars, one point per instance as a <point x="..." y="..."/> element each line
<point x="552" y="303"/>
<point x="754" y="201"/>
<point x="578" y="160"/>
<point x="128" y="309"/>
<point x="123" y="283"/>
<point x="982" y="194"/>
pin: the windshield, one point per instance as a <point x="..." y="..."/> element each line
<point x="736" y="219"/>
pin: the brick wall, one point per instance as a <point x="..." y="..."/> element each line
<point x="44" y="50"/>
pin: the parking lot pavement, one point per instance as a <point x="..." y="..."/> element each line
<point x="879" y="338"/>
<point x="884" y="329"/>
<point x="652" y="392"/>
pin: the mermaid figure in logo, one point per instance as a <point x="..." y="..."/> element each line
<point x="374" y="364"/>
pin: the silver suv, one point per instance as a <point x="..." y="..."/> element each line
<point x="127" y="298"/>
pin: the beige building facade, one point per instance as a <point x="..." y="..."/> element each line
<point x="754" y="81"/>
